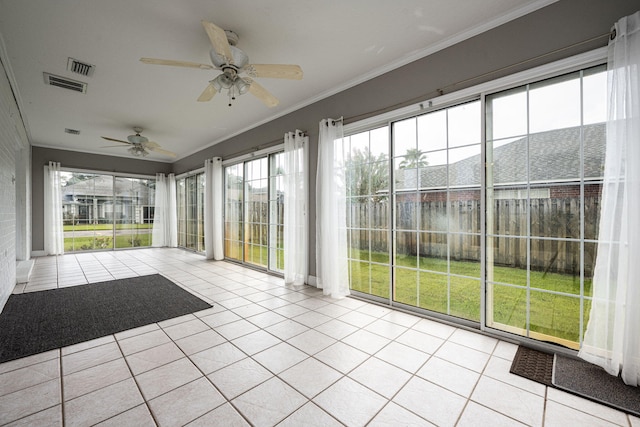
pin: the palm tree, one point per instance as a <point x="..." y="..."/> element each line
<point x="415" y="158"/>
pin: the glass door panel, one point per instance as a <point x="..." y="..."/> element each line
<point x="233" y="212"/>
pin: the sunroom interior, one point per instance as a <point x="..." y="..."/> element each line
<point x="473" y="170"/>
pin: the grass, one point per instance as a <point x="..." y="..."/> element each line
<point x="76" y="244"/>
<point x="102" y="227"/>
<point x="424" y="283"/>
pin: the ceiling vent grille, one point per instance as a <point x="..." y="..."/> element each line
<point x="72" y="131"/>
<point x="79" y="67"/>
<point x="65" y="83"/>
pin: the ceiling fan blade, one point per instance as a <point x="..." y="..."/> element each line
<point x="115" y="140"/>
<point x="113" y="146"/>
<point x="218" y="40"/>
<point x="262" y="94"/>
<point x="161" y="151"/>
<point x="207" y="93"/>
<point x="275" y="71"/>
<point x="155" y="61"/>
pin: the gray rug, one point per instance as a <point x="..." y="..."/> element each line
<point x="587" y="380"/>
<point x="35" y="322"/>
<point x="577" y="377"/>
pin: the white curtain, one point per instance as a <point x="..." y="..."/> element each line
<point x="331" y="215"/>
<point x="53" y="231"/>
<point x="165" y="219"/>
<point x="296" y="233"/>
<point x="213" y="202"/>
<point x="612" y="339"/>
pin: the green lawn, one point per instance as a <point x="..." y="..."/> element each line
<point x="75" y="244"/>
<point x="550" y="314"/>
<point x="102" y="227"/>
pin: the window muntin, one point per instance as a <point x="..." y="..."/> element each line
<point x="543" y="195"/>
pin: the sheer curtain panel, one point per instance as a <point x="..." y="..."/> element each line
<point x="612" y="339"/>
<point x="331" y="216"/>
<point x="165" y="218"/>
<point x="296" y="234"/>
<point x="53" y="230"/>
<point x="213" y="202"/>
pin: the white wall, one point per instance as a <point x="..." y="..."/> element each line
<point x="14" y="173"/>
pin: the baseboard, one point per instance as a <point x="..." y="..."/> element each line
<point x="38" y="253"/>
<point x="312" y="281"/>
<point x="23" y="270"/>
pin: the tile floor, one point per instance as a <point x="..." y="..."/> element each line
<point x="270" y="355"/>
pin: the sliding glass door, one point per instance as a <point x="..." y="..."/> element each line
<point x="190" y="204"/>
<point x="505" y="234"/>
<point x="253" y="212"/>
<point x="104" y="212"/>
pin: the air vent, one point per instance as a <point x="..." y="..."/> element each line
<point x="65" y="83"/>
<point x="72" y="131"/>
<point x="79" y="67"/>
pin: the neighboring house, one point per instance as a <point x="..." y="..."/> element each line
<point x="94" y="200"/>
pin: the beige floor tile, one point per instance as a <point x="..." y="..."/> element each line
<point x="380" y="376"/>
<point x="338" y="400"/>
<point x="269" y="403"/>
<point x="185" y="329"/>
<point x="341" y="357"/>
<point x="310" y="377"/>
<point x="475" y="415"/>
<point x="29" y="401"/>
<point x="166" y="378"/>
<point x="464" y="356"/>
<point x="394" y="415"/>
<point x="256" y="342"/>
<point x="199" y="342"/>
<point x="557" y="415"/>
<point x="450" y="376"/>
<point x="94" y="378"/>
<point x="29" y="376"/>
<point x="402" y="356"/>
<point x="102" y="404"/>
<point x="280" y="357"/>
<point x="51" y="417"/>
<point x="138" y="417"/>
<point x="311" y="341"/>
<point x="366" y="341"/>
<point x="143" y="342"/>
<point x="239" y="377"/>
<point x="186" y="403"/>
<point x="214" y="358"/>
<point x="511" y="401"/>
<point x="154" y="357"/>
<point x="310" y="415"/>
<point x="28" y="361"/>
<point x="93" y="356"/>
<point x="431" y="402"/>
<point x="224" y="415"/>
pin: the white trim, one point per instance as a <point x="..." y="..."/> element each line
<point x="38" y="253"/>
<point x="255" y="154"/>
<point x="312" y="281"/>
<point x="584" y="60"/>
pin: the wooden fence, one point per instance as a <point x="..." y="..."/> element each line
<point x="431" y="228"/>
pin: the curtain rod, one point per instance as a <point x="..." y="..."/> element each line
<point x="260" y="147"/>
<point x="441" y="91"/>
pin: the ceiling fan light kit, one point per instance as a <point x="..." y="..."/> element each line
<point x="233" y="61"/>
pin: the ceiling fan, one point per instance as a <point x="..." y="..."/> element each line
<point x="232" y="61"/>
<point x="138" y="145"/>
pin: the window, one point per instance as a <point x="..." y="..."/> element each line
<point x="190" y="204"/>
<point x="254" y="212"/>
<point x="431" y="227"/>
<point x="103" y="212"/>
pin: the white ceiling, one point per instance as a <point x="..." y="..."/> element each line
<point x="338" y="43"/>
